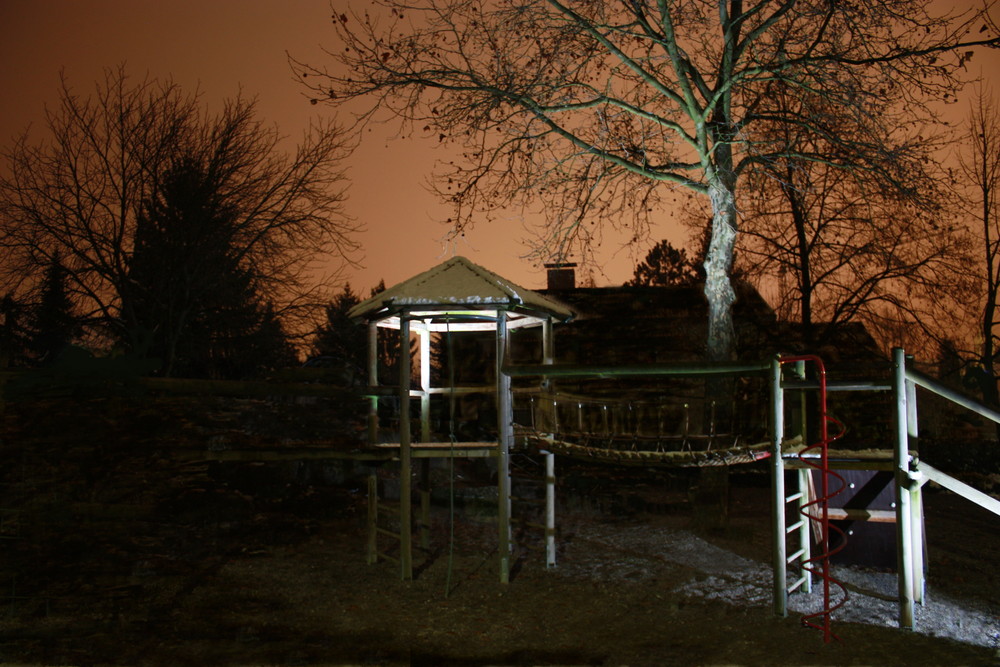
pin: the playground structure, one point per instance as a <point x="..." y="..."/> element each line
<point x="458" y="297"/>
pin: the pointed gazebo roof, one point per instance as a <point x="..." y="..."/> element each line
<point x="458" y="285"/>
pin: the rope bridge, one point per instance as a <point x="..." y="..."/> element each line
<point x="632" y="432"/>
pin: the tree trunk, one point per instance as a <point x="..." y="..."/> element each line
<point x="719" y="292"/>
<point x="805" y="270"/>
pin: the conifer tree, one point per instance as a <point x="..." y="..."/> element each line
<point x="190" y="286"/>
<point x="53" y="323"/>
<point x="665" y="265"/>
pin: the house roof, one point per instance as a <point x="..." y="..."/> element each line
<point x="458" y="284"/>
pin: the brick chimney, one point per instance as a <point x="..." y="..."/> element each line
<point x="561" y="275"/>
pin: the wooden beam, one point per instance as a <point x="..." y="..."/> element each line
<point x="850" y="514"/>
<point x="959" y="487"/>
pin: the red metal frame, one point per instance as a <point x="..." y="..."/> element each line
<point x="820" y="564"/>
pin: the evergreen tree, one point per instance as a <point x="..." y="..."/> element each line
<point x="666" y="265"/>
<point x="54" y="324"/>
<point x="13" y="337"/>
<point x="341" y="342"/>
<point x="388" y="349"/>
<point x="190" y="287"/>
<point x="80" y="186"/>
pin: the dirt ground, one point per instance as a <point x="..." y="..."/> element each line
<point x="123" y="555"/>
<point x="641" y="590"/>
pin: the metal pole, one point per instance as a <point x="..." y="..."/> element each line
<point x="505" y="435"/>
<point x="405" y="499"/>
<point x="904" y="518"/>
<point x="778" y="491"/>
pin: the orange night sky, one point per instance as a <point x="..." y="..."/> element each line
<point x="223" y="46"/>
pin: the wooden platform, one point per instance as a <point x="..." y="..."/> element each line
<point x="317" y="452"/>
<point x="844" y="459"/>
<point x="439" y="450"/>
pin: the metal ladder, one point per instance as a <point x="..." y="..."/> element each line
<point x="812" y="507"/>
<point x="798" y="541"/>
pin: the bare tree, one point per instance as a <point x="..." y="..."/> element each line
<point x="979" y="165"/>
<point x="838" y="245"/>
<point x="596" y="110"/>
<point x="78" y="192"/>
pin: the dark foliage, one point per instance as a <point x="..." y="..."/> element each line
<point x="340" y="343"/>
<point x="666" y="265"/>
<point x="13" y="338"/>
<point x="190" y="288"/>
<point x="103" y="161"/>
<point x="54" y="325"/>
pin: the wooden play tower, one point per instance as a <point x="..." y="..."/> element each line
<point x="454" y="297"/>
<point x="458" y="296"/>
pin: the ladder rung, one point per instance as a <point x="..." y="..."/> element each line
<point x="795" y="556"/>
<point x="795" y="526"/>
<point x="797" y="583"/>
<point x="388" y="557"/>
<point x="383" y="531"/>
<point x="793" y="497"/>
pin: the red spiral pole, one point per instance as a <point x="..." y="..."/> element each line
<point x="820" y="564"/>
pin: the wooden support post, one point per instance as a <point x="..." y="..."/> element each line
<point x="800" y="418"/>
<point x="904" y="517"/>
<point x="548" y="350"/>
<point x="505" y="435"/>
<point x="373" y="382"/>
<point x="425" y="504"/>
<point x="372" y="550"/>
<point x="917" y="542"/>
<point x="550" y="509"/>
<point x="778" y="546"/>
<point x="405" y="470"/>
<point x="425" y="384"/>
<point x="424" y="336"/>
<point x="916" y="500"/>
